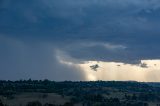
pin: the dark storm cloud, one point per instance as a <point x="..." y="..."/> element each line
<point x="20" y="60"/>
<point x="107" y="30"/>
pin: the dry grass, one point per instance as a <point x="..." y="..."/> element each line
<point x="23" y="98"/>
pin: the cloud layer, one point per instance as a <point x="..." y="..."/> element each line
<point x="34" y="33"/>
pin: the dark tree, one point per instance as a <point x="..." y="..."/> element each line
<point x="1" y="104"/>
<point x="34" y="103"/>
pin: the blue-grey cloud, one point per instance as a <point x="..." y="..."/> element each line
<point x="101" y="30"/>
<point x="23" y="60"/>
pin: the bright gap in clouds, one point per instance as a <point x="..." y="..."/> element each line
<point x="145" y="71"/>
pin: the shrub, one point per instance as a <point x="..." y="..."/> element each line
<point x="34" y="103"/>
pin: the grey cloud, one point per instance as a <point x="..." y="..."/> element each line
<point x="36" y="61"/>
<point x="81" y="17"/>
<point x="122" y="30"/>
<point x="143" y="65"/>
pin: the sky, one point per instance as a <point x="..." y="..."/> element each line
<point x="60" y="39"/>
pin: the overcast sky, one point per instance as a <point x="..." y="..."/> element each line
<point x="36" y="35"/>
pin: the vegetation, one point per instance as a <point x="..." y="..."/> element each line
<point x="99" y="93"/>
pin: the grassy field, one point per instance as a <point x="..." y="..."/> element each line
<point x="99" y="93"/>
<point x="23" y="98"/>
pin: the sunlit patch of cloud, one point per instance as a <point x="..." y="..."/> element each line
<point x="119" y="71"/>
